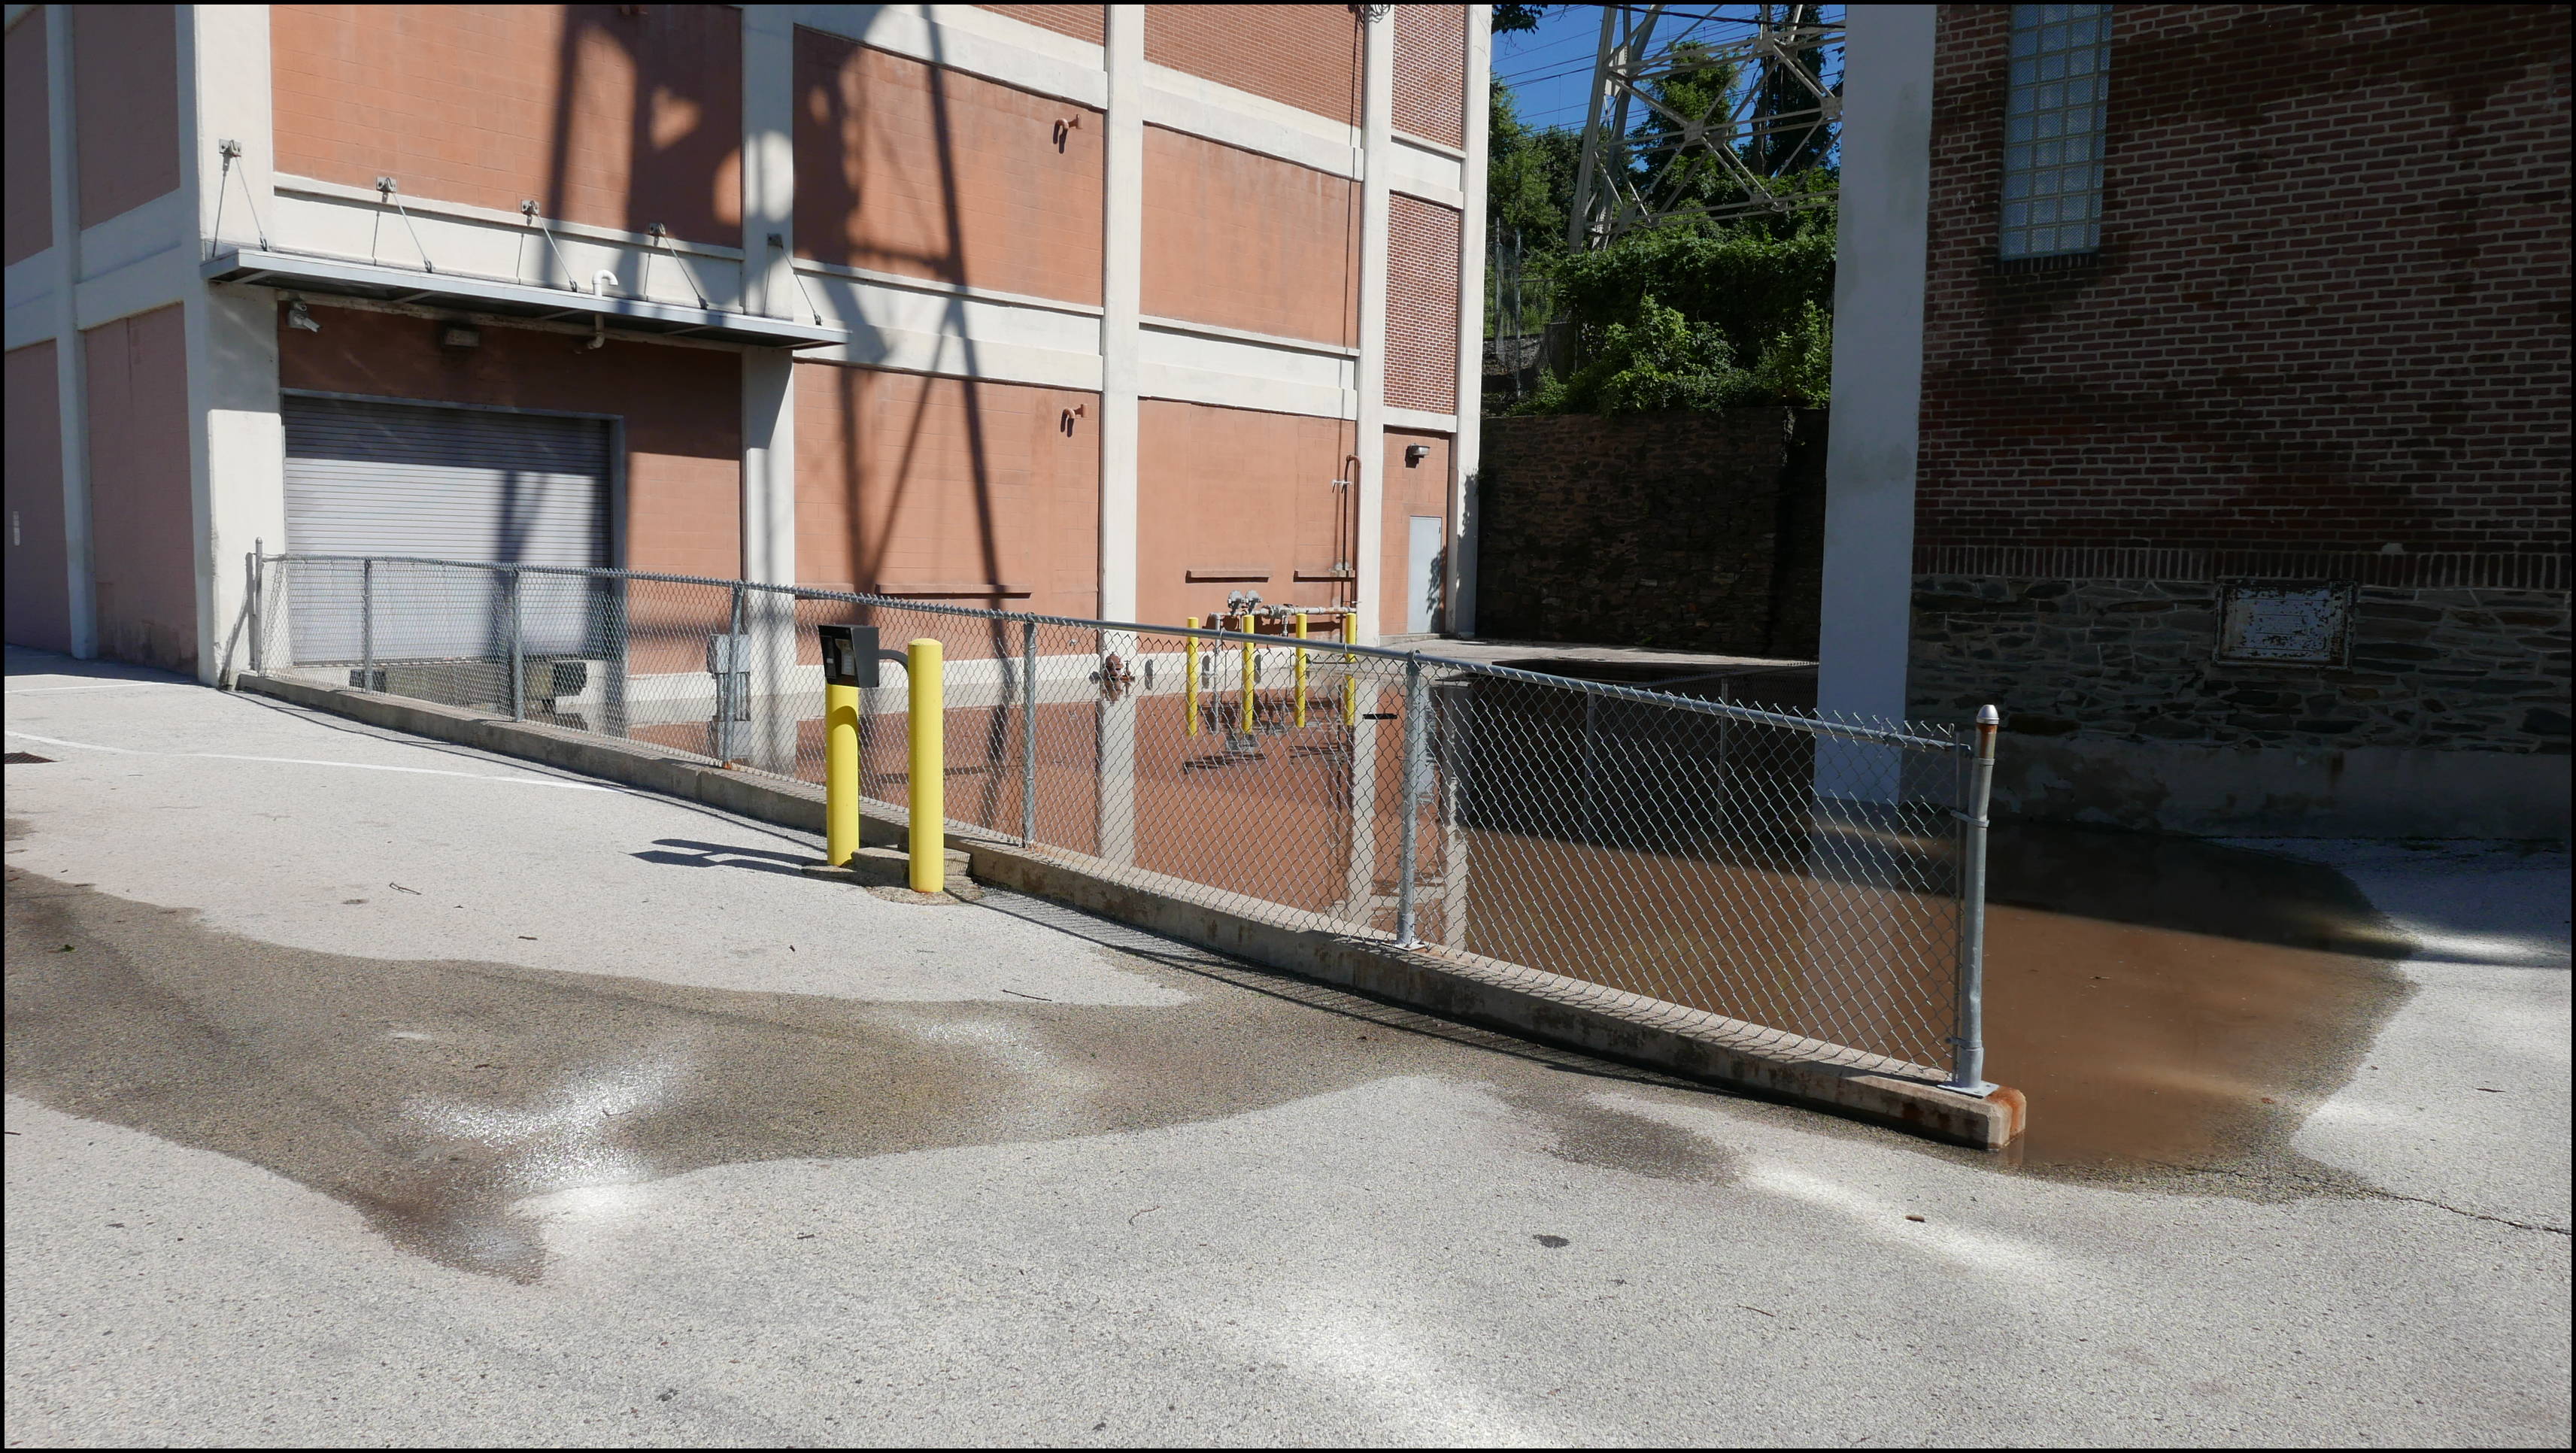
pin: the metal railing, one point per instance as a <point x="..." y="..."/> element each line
<point x="1820" y="878"/>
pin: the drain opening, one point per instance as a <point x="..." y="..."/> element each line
<point x="17" y="759"/>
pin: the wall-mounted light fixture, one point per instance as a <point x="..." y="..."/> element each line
<point x="1414" y="454"/>
<point x="300" y="316"/>
<point x="460" y="337"/>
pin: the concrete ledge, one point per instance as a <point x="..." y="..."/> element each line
<point x="2242" y="791"/>
<point x="1511" y="997"/>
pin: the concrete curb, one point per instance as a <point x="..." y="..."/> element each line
<point x="1520" y="1000"/>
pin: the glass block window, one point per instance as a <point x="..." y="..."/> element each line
<point x="2052" y="198"/>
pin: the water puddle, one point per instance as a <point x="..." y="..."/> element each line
<point x="2166" y="1002"/>
<point x="435" y="1097"/>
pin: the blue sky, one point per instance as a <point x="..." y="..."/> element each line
<point x="1550" y="69"/>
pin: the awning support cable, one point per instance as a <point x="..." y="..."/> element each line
<point x="528" y="209"/>
<point x="387" y="192"/>
<point x="802" y="291"/>
<point x="662" y="235"/>
<point x="232" y="151"/>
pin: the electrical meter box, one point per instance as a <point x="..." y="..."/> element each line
<point x="850" y="655"/>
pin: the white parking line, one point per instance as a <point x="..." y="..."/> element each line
<point x="313" y="762"/>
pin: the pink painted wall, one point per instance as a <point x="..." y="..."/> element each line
<point x="39" y="596"/>
<point x="142" y="522"/>
<point x="125" y="106"/>
<point x="29" y="228"/>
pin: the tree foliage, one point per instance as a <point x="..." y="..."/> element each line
<point x="1529" y="175"/>
<point x="1694" y="313"/>
<point x="1668" y="318"/>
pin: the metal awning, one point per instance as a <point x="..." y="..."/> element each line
<point x="337" y="276"/>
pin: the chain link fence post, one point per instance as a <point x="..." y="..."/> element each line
<point x="1968" y="1067"/>
<point x="367" y="624"/>
<point x="1028" y="733"/>
<point x="518" y="656"/>
<point x="1409" y="801"/>
<point x="258" y="607"/>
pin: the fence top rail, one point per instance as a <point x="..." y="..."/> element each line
<point x="1892" y="736"/>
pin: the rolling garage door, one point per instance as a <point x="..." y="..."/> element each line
<point x="447" y="484"/>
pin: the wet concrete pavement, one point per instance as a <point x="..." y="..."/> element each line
<point x="559" y="1140"/>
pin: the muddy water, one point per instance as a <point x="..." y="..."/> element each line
<point x="434" y="1097"/>
<point x="2168" y="1002"/>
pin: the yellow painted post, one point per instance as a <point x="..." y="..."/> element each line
<point x="1351" y="680"/>
<point x="1190" y="674"/>
<point x="840" y="774"/>
<point x="928" y="839"/>
<point x="1246" y="623"/>
<point x="1301" y="668"/>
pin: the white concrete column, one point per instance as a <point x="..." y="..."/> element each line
<point x="1467" y="450"/>
<point x="1122" y="294"/>
<point x="769" y="160"/>
<point x="1377" y="150"/>
<point x="1878" y="363"/>
<point x="71" y="377"/>
<point x="1122" y="291"/>
<point x="768" y="518"/>
<point x="237" y="441"/>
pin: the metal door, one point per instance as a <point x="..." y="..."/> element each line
<point x="1424" y="566"/>
<point x="365" y="478"/>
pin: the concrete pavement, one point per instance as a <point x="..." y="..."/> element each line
<point x="393" y="1092"/>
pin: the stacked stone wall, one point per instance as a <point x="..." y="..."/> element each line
<point x="1698" y="531"/>
<point x="2137" y="660"/>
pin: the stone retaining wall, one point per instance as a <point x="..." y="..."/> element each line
<point x="2450" y="669"/>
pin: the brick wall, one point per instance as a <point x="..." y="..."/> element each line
<point x="1082" y="22"/>
<point x="1249" y="241"/>
<point x="1233" y="499"/>
<point x="1701" y="531"/>
<point x="947" y="488"/>
<point x="1431" y="72"/>
<point x="682" y="409"/>
<point x="1415" y="488"/>
<point x="2330" y="310"/>
<point x="925" y="171"/>
<point x="1306" y="56"/>
<point x="1422" y="304"/>
<point x="614" y="115"/>
<point x="2325" y="338"/>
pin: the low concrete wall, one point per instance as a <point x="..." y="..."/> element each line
<point x="1509" y="997"/>
<point x="2249" y="791"/>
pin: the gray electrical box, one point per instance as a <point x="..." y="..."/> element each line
<point x="850" y="655"/>
<point x="729" y="662"/>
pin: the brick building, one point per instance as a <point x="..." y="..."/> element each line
<point x="2238" y="468"/>
<point x="1098" y="311"/>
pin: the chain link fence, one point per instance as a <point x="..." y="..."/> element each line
<point x="1811" y="876"/>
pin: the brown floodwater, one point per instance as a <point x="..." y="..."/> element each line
<point x="2160" y="1000"/>
<point x="2165" y="1001"/>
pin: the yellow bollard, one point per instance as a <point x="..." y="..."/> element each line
<point x="1190" y="674"/>
<point x="1350" y="682"/>
<point x="1301" y="668"/>
<point x="1246" y="622"/>
<point x="928" y="838"/>
<point x="840" y="774"/>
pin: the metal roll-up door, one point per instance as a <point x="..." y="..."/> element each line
<point x="448" y="484"/>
